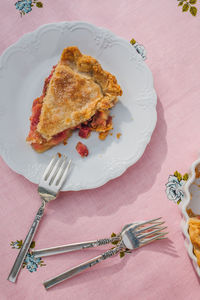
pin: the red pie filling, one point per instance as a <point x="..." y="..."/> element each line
<point x="100" y="122"/>
<point x="84" y="131"/>
<point x="82" y="149"/>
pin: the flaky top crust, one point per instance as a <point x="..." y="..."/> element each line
<point x="78" y="88"/>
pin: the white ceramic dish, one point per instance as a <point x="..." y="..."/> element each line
<point x="23" y="68"/>
<point x="191" y="201"/>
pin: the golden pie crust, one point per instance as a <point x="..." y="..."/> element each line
<point x="78" y="88"/>
<point x="194" y="232"/>
<point x="77" y="94"/>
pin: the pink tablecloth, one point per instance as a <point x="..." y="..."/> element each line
<point x="159" y="271"/>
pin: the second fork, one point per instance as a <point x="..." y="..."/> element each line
<point x="133" y="236"/>
<point x="90" y="244"/>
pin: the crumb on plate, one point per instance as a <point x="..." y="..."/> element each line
<point x="103" y="135"/>
<point x="82" y="149"/>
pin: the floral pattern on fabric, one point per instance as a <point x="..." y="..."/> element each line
<point x="188" y="5"/>
<point x="31" y="263"/>
<point x="139" y="48"/>
<point x="25" y="6"/>
<point x="174" y="187"/>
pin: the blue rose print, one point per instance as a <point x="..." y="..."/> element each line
<point x="174" y="189"/>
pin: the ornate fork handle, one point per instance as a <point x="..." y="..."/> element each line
<point x="73" y="247"/>
<point x="80" y="268"/>
<point x="26" y="245"/>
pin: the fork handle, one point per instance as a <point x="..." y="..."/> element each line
<point x="72" y="247"/>
<point x="80" y="268"/>
<point x="26" y="245"/>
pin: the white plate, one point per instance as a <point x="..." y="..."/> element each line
<point x="191" y="200"/>
<point x="23" y="68"/>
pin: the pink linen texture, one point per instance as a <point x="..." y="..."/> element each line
<point x="161" y="270"/>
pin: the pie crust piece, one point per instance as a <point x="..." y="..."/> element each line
<point x="77" y="94"/>
<point x="194" y="232"/>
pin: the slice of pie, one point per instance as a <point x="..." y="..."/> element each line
<point x="77" y="95"/>
<point x="194" y="232"/>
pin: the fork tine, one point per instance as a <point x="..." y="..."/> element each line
<point x="150" y="227"/>
<point x="54" y="171"/>
<point x="149" y="240"/>
<point x="61" y="171"/>
<point x="49" y="167"/>
<point x="146" y="222"/>
<point x="151" y="232"/>
<point x="64" y="175"/>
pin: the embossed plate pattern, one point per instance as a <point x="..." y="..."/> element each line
<point x="23" y="68"/>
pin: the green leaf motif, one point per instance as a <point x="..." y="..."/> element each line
<point x="20" y="243"/>
<point x="132" y="41"/>
<point x="178" y="175"/>
<point x="121" y="254"/>
<point x="115" y="242"/>
<point x="193" y="10"/>
<point x="113" y="235"/>
<point x="39" y="4"/>
<point x="185" y="7"/>
<point x="193" y="1"/>
<point x="185" y="176"/>
<point x="180" y="3"/>
<point x="32" y="245"/>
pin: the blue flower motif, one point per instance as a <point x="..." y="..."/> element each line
<point x="32" y="262"/>
<point x="174" y="189"/>
<point x="24" y="6"/>
<point x="32" y="267"/>
<point x="19" y="5"/>
<point x="27" y="8"/>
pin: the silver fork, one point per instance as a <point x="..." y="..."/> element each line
<point x="133" y="236"/>
<point x="90" y="244"/>
<point x="50" y="184"/>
